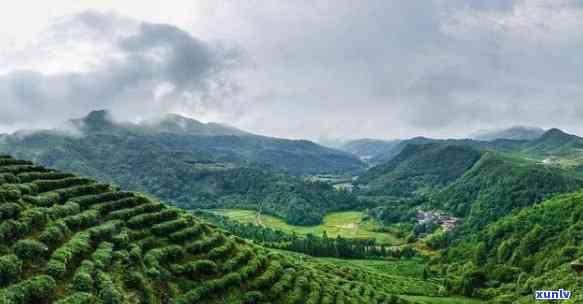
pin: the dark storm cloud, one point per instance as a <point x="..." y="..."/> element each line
<point x="152" y="68"/>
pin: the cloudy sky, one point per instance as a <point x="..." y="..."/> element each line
<point x="300" y="69"/>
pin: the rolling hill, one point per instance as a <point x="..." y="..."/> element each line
<point x="172" y="134"/>
<point x="194" y="165"/>
<point x="524" y="141"/>
<point x="420" y="168"/>
<point x="522" y="252"/>
<point x="513" y="133"/>
<point x="497" y="185"/>
<point x="66" y="239"/>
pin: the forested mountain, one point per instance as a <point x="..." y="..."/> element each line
<point x="538" y="145"/>
<point x="69" y="240"/>
<point x="513" y="133"/>
<point x="420" y="168"/>
<point x="194" y="165"/>
<point x="534" y="249"/>
<point x="173" y="134"/>
<point x="369" y="149"/>
<point x="555" y="142"/>
<point x="496" y="185"/>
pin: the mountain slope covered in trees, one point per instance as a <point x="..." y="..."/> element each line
<point x="69" y="240"/>
<point x="420" y="168"/>
<point x="194" y="165"/>
<point x="173" y="135"/>
<point x="497" y="184"/>
<point x="513" y="257"/>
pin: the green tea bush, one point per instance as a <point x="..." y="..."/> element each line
<point x="187" y="234"/>
<point x="107" y="290"/>
<point x="103" y="255"/>
<point x="43" y="200"/>
<point x="33" y="176"/>
<point x="10" y="269"/>
<point x="87" y="201"/>
<point x="169" y="227"/>
<point x="30" y="250"/>
<point x="221" y="252"/>
<point x="61" y="211"/>
<point x="82" y="220"/>
<point x="268" y="277"/>
<point x="9" y="211"/>
<point x="149" y="219"/>
<point x="79" y="298"/>
<point x="75" y="248"/>
<point x="11" y="231"/>
<point x="83" y="278"/>
<point x="206" y="244"/>
<point x="240" y="259"/>
<point x="121" y="204"/>
<point x="195" y="269"/>
<point x="126" y="214"/>
<point x="50" y="185"/>
<point x="105" y="231"/>
<point x="55" y="233"/>
<point x="37" y="290"/>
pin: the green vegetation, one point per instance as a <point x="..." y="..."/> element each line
<point x="497" y="185"/>
<point x="85" y="251"/>
<point x="325" y="246"/>
<point x="520" y="253"/>
<point x="348" y="224"/>
<point x="420" y="169"/>
<point x="192" y="165"/>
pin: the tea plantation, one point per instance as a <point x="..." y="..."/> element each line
<point x="70" y="240"/>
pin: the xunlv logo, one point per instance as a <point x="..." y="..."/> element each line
<point x="553" y="295"/>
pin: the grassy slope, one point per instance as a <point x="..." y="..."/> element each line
<point x="346" y="224"/>
<point x="72" y="240"/>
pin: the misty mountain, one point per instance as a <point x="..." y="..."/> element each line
<point x="367" y="148"/>
<point x="514" y="133"/>
<point x="191" y="164"/>
<point x="172" y="134"/>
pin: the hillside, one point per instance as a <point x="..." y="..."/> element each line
<point x="169" y="136"/>
<point x="555" y="142"/>
<point x="513" y="133"/>
<point x="369" y="149"/>
<point x="171" y="161"/>
<point x="497" y="185"/>
<point x="523" y="252"/>
<point x="66" y="239"/>
<point x="420" y="168"/>
<point x="524" y="141"/>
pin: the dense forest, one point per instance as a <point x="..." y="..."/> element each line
<point x="520" y="253"/>
<point x="420" y="168"/>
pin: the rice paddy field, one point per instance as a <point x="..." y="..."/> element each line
<point x="347" y="224"/>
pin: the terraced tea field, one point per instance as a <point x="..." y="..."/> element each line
<point x="67" y="240"/>
<point x="346" y="224"/>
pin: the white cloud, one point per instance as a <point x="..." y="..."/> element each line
<point x="312" y="68"/>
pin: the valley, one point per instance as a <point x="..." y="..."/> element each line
<point x="349" y="224"/>
<point x="422" y="221"/>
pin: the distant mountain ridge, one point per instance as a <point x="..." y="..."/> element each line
<point x="193" y="165"/>
<point x="513" y="133"/>
<point x="553" y="142"/>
